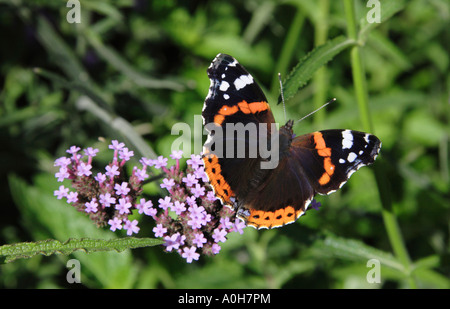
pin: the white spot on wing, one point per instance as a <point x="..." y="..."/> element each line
<point x="243" y="81"/>
<point x="351" y="157"/>
<point x="224" y="86"/>
<point x="347" y="139"/>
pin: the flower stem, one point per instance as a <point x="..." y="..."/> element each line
<point x="359" y="81"/>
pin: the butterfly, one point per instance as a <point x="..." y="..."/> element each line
<point x="236" y="161"/>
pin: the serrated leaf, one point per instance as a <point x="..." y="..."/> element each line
<point x="305" y="69"/>
<point x="26" y="250"/>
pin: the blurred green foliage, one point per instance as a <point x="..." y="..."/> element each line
<point x="132" y="69"/>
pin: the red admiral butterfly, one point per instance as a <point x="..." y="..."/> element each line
<point x="319" y="162"/>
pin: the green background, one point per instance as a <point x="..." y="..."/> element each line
<point x="132" y="69"/>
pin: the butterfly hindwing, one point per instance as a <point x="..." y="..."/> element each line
<point x="330" y="157"/>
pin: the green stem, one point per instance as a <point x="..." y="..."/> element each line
<point x="320" y="77"/>
<point x="288" y="50"/>
<point x="359" y="80"/>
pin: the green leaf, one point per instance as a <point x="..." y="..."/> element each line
<point x="387" y="9"/>
<point x="305" y="69"/>
<point x="119" y="63"/>
<point x="351" y="249"/>
<point x="25" y="250"/>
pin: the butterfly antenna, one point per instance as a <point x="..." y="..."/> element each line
<point x="282" y="96"/>
<point x="332" y="100"/>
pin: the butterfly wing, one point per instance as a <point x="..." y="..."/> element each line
<point x="319" y="162"/>
<point x="330" y="157"/>
<point x="234" y="95"/>
<point x="234" y="101"/>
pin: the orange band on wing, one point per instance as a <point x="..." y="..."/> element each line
<point x="218" y="119"/>
<point x="320" y="142"/>
<point x="243" y="106"/>
<point x="214" y="172"/>
<point x="270" y="219"/>
<point x="254" y="107"/>
<point x="324" y="179"/>
<point x="324" y="151"/>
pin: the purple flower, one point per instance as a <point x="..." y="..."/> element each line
<point x="62" y="174"/>
<point x="146" y="162"/>
<point x="122" y="189"/>
<point x="72" y="197"/>
<point x="190" y="200"/>
<point x="141" y="174"/>
<point x="100" y="177"/>
<point x="167" y="183"/>
<point x="315" y="205"/>
<point x="207" y="218"/>
<point x="176" y="154"/>
<point x="116" y="224"/>
<point x="172" y="242"/>
<point x="219" y="235"/>
<point x="239" y="226"/>
<point x="215" y="248"/>
<point x="116" y="145"/>
<point x="91" y="206"/>
<point x="195" y="222"/>
<point x="62" y="162"/>
<point x="124" y="206"/>
<point x="189" y="254"/>
<point x="159" y="230"/>
<point x="131" y="227"/>
<point x="198" y="191"/>
<point x="73" y="150"/>
<point x="196" y="210"/>
<point x="106" y="200"/>
<point x="112" y="171"/>
<point x="210" y="196"/>
<point x="146" y="207"/>
<point x="125" y="154"/>
<point x="84" y="169"/>
<point x="62" y="192"/>
<point x="165" y="203"/>
<point x="179" y="207"/>
<point x="195" y="161"/>
<point x="160" y="162"/>
<point x="200" y="174"/>
<point x="199" y="240"/>
<point x="91" y="152"/>
<point x="190" y="180"/>
<point x="225" y="223"/>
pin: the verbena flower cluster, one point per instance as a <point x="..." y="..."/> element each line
<point x="190" y="219"/>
